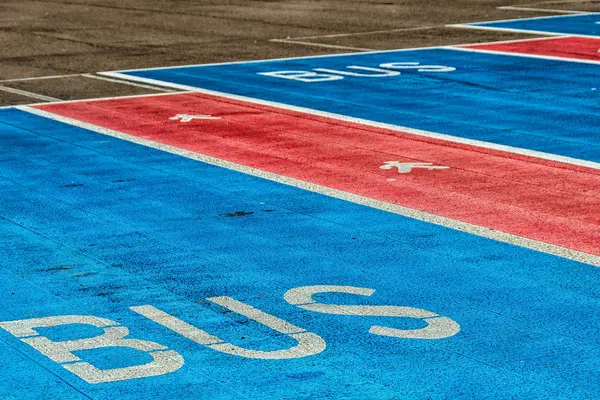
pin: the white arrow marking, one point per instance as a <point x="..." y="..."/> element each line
<point x="188" y="117"/>
<point x="405" y="168"/>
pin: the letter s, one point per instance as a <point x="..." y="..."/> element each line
<point x="438" y="327"/>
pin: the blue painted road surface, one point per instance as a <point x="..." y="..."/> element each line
<point x="104" y="240"/>
<point x="536" y="104"/>
<point x="583" y="25"/>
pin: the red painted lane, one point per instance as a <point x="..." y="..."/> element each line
<point x="579" y="48"/>
<point x="539" y="199"/>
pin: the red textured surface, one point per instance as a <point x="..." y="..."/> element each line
<point x="538" y="199"/>
<point x="566" y="47"/>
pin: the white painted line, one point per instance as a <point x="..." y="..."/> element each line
<point x="560" y="2"/>
<point x="511" y="41"/>
<point x="529" y="19"/>
<point x="478" y="25"/>
<point x="493" y="28"/>
<point x="452" y="46"/>
<point x="39" y="78"/>
<point x="537" y="3"/>
<point x="48" y="99"/>
<point x="407" y="212"/>
<point x="103" y="78"/>
<point x="336" y="35"/>
<point x="131" y="96"/>
<point x="328" y="46"/>
<point x="516" y="8"/>
<point x="27" y="94"/>
<point x="398" y="128"/>
<point x="526" y="55"/>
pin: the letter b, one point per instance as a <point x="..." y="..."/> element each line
<point x="302" y="76"/>
<point x="164" y="361"/>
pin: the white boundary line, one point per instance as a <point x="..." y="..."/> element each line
<point x="558" y="2"/>
<point x="398" y="128"/>
<point x="478" y="25"/>
<point x="517" y="8"/>
<point x="313" y="44"/>
<point x="300" y="40"/>
<point x="512" y="30"/>
<point x="529" y="39"/>
<point x="36" y="78"/>
<point x="84" y="75"/>
<point x="27" y="94"/>
<point x="407" y="212"/>
<point x="102" y="78"/>
<point x="533" y="18"/>
<point x="525" y="55"/>
<point x="336" y="35"/>
<point x="131" y="96"/>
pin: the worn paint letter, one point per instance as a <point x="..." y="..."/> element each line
<point x="164" y="361"/>
<point x="438" y="327"/>
<point x="302" y="76"/>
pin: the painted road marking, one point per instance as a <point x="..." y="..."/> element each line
<point x="113" y="335"/>
<point x="438" y="327"/>
<point x="572" y="48"/>
<point x="168" y="361"/>
<point x="405" y="168"/>
<point x="188" y="117"/>
<point x="584" y="25"/>
<point x="384" y="70"/>
<point x="512" y="112"/>
<point x="92" y="225"/>
<point x="544" y="10"/>
<point x="549" y="202"/>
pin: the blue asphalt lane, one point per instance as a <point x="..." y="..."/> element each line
<point x="537" y="104"/>
<point x="93" y="225"/>
<point x="585" y="24"/>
